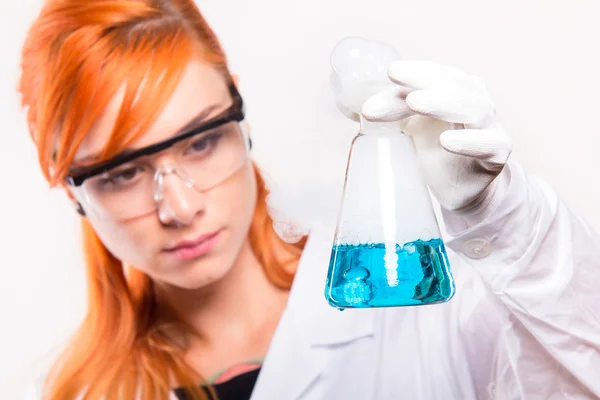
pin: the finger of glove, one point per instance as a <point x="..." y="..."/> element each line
<point x="426" y="74"/>
<point x="387" y="105"/>
<point x="488" y="145"/>
<point x="456" y="106"/>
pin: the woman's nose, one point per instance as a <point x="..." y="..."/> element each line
<point x="180" y="201"/>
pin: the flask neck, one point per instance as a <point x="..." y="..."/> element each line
<point x="367" y="127"/>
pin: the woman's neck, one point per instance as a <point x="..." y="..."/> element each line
<point x="239" y="305"/>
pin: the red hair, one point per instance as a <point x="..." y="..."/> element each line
<point x="76" y="56"/>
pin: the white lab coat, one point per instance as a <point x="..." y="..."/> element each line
<point x="524" y="323"/>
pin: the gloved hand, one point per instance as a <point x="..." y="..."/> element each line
<point x="460" y="144"/>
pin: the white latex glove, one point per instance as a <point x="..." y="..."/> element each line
<point x="460" y="144"/>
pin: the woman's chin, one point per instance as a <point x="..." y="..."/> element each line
<point x="199" y="274"/>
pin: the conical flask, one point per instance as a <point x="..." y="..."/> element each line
<point x="387" y="250"/>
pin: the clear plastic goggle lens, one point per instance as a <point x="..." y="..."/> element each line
<point x="137" y="187"/>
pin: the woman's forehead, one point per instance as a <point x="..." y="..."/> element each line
<point x="201" y="88"/>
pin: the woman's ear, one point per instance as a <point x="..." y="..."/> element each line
<point x="236" y="79"/>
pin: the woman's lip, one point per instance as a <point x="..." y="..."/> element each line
<point x="190" y="243"/>
<point x="195" y="249"/>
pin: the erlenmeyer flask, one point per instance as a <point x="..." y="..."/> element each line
<point x="387" y="249"/>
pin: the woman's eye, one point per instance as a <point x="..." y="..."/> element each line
<point x="205" y="143"/>
<point x="121" y="177"/>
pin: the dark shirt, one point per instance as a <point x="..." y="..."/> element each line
<point x="237" y="388"/>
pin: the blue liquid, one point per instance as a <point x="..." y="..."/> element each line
<point x="379" y="275"/>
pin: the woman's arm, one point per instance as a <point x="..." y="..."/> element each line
<point x="537" y="257"/>
<point x="541" y="261"/>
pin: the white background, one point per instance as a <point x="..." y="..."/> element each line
<point x="538" y="58"/>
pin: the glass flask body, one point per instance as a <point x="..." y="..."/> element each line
<point x="387" y="250"/>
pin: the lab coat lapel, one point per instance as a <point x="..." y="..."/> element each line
<point x="310" y="331"/>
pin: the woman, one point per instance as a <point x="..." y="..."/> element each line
<point x="192" y="294"/>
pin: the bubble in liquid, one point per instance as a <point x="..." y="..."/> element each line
<point x="409" y="248"/>
<point x="355" y="288"/>
<point x="357" y="292"/>
<point x="357" y="274"/>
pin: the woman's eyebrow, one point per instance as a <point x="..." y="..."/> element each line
<point x="199" y="118"/>
<point x="193" y="123"/>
